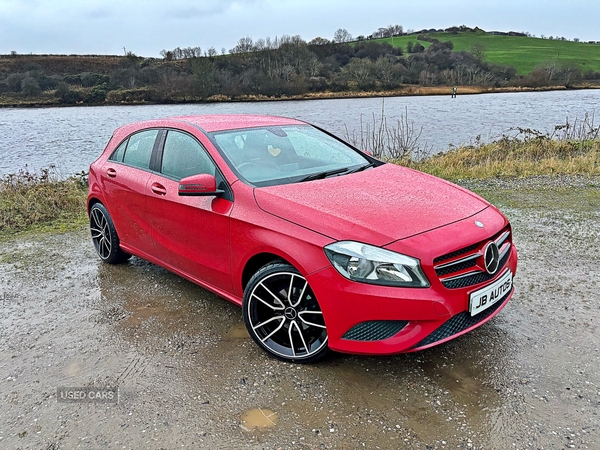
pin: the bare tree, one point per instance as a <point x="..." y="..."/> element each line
<point x="358" y="70"/>
<point x="341" y="36"/>
<point x="478" y="51"/>
<point x="395" y="30"/>
<point x="385" y="71"/>
<point x="389" y="31"/>
<point x="244" y="45"/>
<point x="320" y="41"/>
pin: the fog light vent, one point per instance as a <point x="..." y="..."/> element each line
<point x="374" y="330"/>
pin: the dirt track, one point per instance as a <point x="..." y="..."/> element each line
<point x="189" y="376"/>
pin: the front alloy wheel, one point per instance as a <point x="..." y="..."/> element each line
<point x="283" y="316"/>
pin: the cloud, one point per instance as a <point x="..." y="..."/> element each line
<point x="184" y="10"/>
<point x="193" y="12"/>
<point x="99" y="14"/>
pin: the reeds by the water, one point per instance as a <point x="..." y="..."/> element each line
<point x="570" y="148"/>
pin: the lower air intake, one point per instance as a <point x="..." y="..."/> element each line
<point x="460" y="322"/>
<point x="374" y="330"/>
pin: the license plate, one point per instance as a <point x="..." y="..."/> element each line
<point x="484" y="298"/>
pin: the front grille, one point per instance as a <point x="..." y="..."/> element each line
<point x="464" y="267"/>
<point x="460" y="322"/>
<point x="476" y="278"/>
<point x="374" y="330"/>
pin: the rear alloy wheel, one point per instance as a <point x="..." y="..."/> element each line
<point x="104" y="236"/>
<point x="283" y="316"/>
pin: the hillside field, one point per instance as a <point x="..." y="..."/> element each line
<point x="523" y="53"/>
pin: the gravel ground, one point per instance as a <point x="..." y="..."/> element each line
<point x="189" y="376"/>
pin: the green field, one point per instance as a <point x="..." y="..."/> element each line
<point x="523" y="53"/>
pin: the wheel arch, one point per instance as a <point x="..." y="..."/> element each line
<point x="91" y="202"/>
<point x="256" y="262"/>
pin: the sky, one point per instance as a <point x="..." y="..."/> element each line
<point x="145" y="27"/>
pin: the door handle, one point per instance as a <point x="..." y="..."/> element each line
<point x="111" y="172"/>
<point x="158" y="189"/>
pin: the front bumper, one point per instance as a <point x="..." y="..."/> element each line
<point x="379" y="320"/>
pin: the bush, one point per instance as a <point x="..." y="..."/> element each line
<point x="98" y="94"/>
<point x="536" y="78"/>
<point x="72" y="79"/>
<point x="138" y="95"/>
<point x="90" y="79"/>
<point x="418" y="48"/>
<point x="66" y="95"/>
<point x="30" y="87"/>
<point x="14" y="81"/>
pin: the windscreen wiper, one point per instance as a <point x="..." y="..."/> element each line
<point x="324" y="174"/>
<point x="360" y="168"/>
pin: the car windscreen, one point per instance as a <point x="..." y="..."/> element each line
<point x="286" y="154"/>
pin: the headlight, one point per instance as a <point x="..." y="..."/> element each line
<point x="369" y="264"/>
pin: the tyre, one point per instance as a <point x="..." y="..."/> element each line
<point x="104" y="236"/>
<point x="283" y="316"/>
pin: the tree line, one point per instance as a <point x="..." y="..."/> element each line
<point x="284" y="66"/>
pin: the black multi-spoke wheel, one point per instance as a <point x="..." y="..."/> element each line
<point x="283" y="316"/>
<point x="105" y="236"/>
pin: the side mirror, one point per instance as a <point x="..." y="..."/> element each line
<point x="202" y="184"/>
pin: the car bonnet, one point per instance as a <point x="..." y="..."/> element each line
<point x="376" y="206"/>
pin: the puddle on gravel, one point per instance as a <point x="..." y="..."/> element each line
<point x="258" y="418"/>
<point x="238" y="331"/>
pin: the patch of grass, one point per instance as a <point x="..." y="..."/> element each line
<point x="41" y="202"/>
<point x="514" y="158"/>
<point x="521" y="52"/>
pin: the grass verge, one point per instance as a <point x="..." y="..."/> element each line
<point x="41" y="202"/>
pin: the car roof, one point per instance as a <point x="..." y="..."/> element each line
<point x="220" y="122"/>
<point x="217" y="122"/>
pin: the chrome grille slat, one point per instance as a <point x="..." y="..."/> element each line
<point x="455" y="274"/>
<point x="502" y="238"/>
<point x="458" y="261"/>
<point x="458" y="277"/>
<point x="504" y="250"/>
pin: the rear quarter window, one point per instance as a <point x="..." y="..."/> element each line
<point x="118" y="154"/>
<point x="139" y="149"/>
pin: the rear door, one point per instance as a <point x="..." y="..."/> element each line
<point x="125" y="177"/>
<point x="191" y="234"/>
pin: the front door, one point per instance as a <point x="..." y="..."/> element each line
<point x="191" y="234"/>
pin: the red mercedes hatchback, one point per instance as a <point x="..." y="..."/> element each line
<point x="323" y="246"/>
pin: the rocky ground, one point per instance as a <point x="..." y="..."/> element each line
<point x="189" y="376"/>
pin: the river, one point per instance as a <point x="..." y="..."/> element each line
<point x="72" y="137"/>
